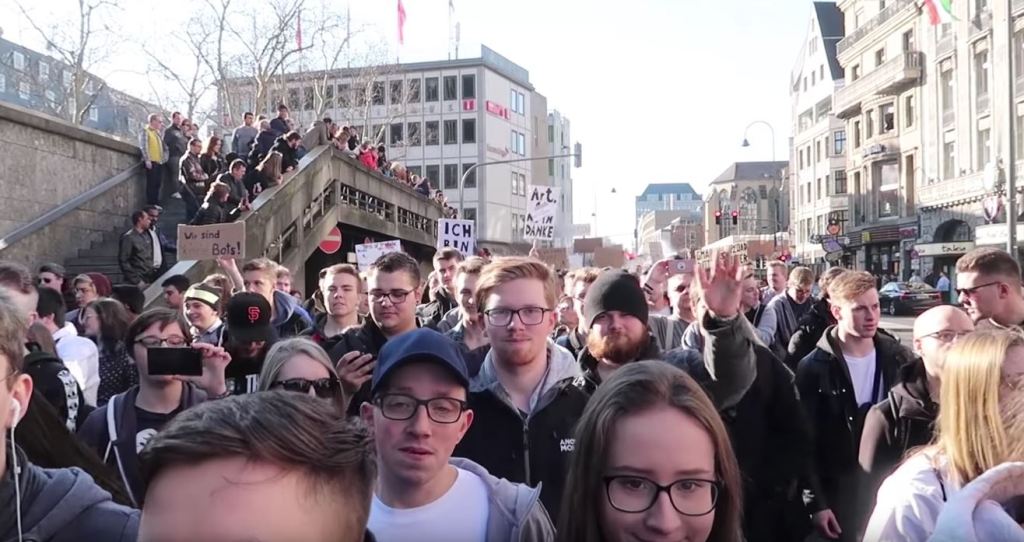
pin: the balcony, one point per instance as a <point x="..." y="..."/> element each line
<point x="980" y="23"/>
<point x="892" y="76"/>
<point x="883" y="16"/>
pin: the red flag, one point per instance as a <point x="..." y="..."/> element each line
<point x="401" y="23"/>
<point x="298" y="30"/>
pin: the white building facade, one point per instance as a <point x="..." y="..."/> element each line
<point x="559" y="171"/>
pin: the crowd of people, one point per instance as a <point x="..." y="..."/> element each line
<point x="595" y="404"/>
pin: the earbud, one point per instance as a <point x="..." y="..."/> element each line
<point x="15" y="412"/>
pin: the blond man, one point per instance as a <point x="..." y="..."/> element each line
<point x="782" y="315"/>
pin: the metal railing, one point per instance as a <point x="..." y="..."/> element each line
<point x="883" y="16"/>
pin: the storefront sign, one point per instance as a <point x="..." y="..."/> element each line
<point x="944" y="249"/>
<point x="908" y="233"/>
<point x="497" y="110"/>
<point x="996" y="234"/>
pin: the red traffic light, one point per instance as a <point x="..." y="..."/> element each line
<point x="718" y="214"/>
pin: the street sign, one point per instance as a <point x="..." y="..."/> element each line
<point x="331" y="243"/>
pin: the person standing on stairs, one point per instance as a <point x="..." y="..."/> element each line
<point x="154" y="156"/>
<point x="136" y="256"/>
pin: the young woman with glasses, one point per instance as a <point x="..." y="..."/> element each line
<point x="300" y="365"/>
<point x="652" y="460"/>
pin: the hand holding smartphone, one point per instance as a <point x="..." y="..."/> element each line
<point x="170" y="361"/>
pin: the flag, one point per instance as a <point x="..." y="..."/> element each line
<point x="939" y="11"/>
<point x="401" y="23"/>
<point x="451" y="5"/>
<point x="298" y="30"/>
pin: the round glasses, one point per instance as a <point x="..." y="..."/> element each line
<point x="401" y="407"/>
<point x="636" y="494"/>
<point x="324" y="388"/>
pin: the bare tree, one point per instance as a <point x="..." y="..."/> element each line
<point x="190" y="79"/>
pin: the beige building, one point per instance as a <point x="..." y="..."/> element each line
<point x="662" y="234"/>
<point x="819" y="199"/>
<point x="757" y="192"/>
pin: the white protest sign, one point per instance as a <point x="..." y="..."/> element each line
<point x="211" y="242"/>
<point x="458" y="234"/>
<point x="368" y="253"/>
<point x="541" y="207"/>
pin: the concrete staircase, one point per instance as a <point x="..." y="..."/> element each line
<point x="101" y="256"/>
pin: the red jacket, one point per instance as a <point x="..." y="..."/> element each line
<point x="369" y="158"/>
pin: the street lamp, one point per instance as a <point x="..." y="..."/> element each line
<point x="746" y="142"/>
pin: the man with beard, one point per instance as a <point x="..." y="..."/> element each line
<point x="989" y="288"/>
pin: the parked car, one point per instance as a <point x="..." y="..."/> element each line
<point x="905" y="297"/>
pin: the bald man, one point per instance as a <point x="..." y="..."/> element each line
<point x="905" y="419"/>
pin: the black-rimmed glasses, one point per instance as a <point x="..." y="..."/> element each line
<point x="401" y="407"/>
<point x="395" y="296"/>
<point x="324" y="388"/>
<point x="529" y="316"/>
<point x="636" y="494"/>
<point x="973" y="290"/>
<point x="947" y="335"/>
<point x="155" y="342"/>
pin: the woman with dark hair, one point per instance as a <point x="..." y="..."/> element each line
<point x="211" y="159"/>
<point x="106" y="321"/>
<point x="215" y="208"/>
<point x="268" y="173"/>
<point x="652" y="460"/>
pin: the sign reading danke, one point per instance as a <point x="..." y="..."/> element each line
<point x="211" y="242"/>
<point x="540" y="212"/>
<point x="458" y="234"/>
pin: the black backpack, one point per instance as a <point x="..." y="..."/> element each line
<point x="54" y="381"/>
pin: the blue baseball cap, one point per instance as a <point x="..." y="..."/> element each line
<point x="419" y="345"/>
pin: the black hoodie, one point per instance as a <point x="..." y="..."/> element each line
<point x="61" y="505"/>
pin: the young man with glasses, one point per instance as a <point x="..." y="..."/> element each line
<point x="119" y="430"/>
<point x="528" y="394"/>
<point x="989" y="288"/>
<point x="393" y="284"/>
<point x="906" y="419"/>
<point x="853" y="368"/>
<point x="783" y="313"/>
<point x="422" y="493"/>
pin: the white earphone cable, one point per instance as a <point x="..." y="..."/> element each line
<point x="17" y="482"/>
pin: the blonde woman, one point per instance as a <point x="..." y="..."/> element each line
<point x="268" y="173"/>
<point x="300" y="365"/>
<point x="980" y="426"/>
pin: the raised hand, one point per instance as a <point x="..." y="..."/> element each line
<point x="720" y="289"/>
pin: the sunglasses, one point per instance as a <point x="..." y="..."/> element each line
<point x="324" y="388"/>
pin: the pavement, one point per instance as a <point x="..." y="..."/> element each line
<point x="900" y="326"/>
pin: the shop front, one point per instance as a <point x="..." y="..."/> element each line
<point x="884" y="250"/>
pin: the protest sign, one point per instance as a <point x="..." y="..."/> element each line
<point x="458" y="234"/>
<point x="609" y="257"/>
<point x="557" y="258"/>
<point x="368" y="253"/>
<point x="211" y="242"/>
<point x="586" y="245"/>
<point x="541" y="206"/>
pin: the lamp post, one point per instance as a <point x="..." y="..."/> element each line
<point x="778" y="195"/>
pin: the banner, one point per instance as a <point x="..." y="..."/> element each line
<point x="557" y="258"/>
<point x="609" y="257"/>
<point x="458" y="234"/>
<point x="368" y="253"/>
<point x="541" y="207"/>
<point x="211" y="242"/>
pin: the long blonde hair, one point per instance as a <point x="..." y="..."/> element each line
<point x="974" y="432"/>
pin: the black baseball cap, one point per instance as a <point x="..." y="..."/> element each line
<point x="419" y="345"/>
<point x="249" y="318"/>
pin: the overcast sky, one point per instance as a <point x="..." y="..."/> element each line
<point x="656" y="90"/>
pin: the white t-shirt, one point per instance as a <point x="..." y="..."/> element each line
<point x="460" y="515"/>
<point x="862" y="374"/>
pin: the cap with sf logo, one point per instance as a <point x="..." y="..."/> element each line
<point x="248" y="316"/>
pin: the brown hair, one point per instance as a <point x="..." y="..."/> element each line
<point x="114" y="320"/>
<point x="800" y="276"/>
<point x="989" y="261"/>
<point x="473" y="265"/>
<point x="447" y="253"/>
<point x="395" y="262"/>
<point x="217" y="191"/>
<point x="270" y="167"/>
<point x="264" y="265"/>
<point x="342" y="269"/>
<point x="849" y="285"/>
<point x="300" y="433"/>
<point x="510" y="268"/>
<point x="164" y="317"/>
<point x="12" y="332"/>
<point x="38" y="334"/>
<point x="634" y="388"/>
<point x="586" y="275"/>
<point x="282" y="272"/>
<point x="209" y="145"/>
<point x="828" y="277"/>
<point x="220" y="280"/>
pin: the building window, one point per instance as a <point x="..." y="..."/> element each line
<point x="67" y="77"/>
<point x="522" y="144"/>
<point x="451" y="132"/>
<point x="309" y="98"/>
<point x="946" y="87"/>
<point x="471" y="178"/>
<point x="857" y="215"/>
<point x="551" y="165"/>
<point x="521" y="98"/>
<point x="820" y="188"/>
<point x="434" y="174"/>
<point x="94" y="114"/>
<point x="762" y="191"/>
<point x="469" y="130"/>
<point x="889" y="191"/>
<point x="856" y="134"/>
<point x="1020" y="131"/>
<point x="512" y="102"/>
<point x="869" y="124"/>
<point x="908" y="41"/>
<point x="949" y="160"/>
<point x="3" y="83"/>
<point x="451" y="87"/>
<point x="880" y="57"/>
<point x="980" y="5"/>
<point x="469" y="214"/>
<point x="431" y="89"/>
<point x="344" y="95"/>
<point x="839" y="181"/>
<point x="817" y="152"/>
<point x="855" y="73"/>
<point x="451" y="176"/>
<point x="468" y="86"/>
<point x="414" y="133"/>
<point x="431" y="127"/>
<point x="814" y="78"/>
<point x="44" y="71"/>
<point x="396" y="92"/>
<point x="23" y="90"/>
<point x="908" y="111"/>
<point x="377" y="93"/>
<point x="984" y="148"/>
<point x="414" y="91"/>
<point x="515" y="183"/>
<point x="888" y="118"/>
<point x="981" y="76"/>
<point x="415" y="170"/>
<point x="396" y="134"/>
<point x="51" y="99"/>
<point x="19" y="61"/>
<point x="551" y="133"/>
<point x="838" y="142"/>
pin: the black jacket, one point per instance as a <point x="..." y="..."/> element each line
<point x="288" y="157"/>
<point x="431" y="314"/>
<point x="177" y="143"/>
<point x="572" y="342"/>
<point x="808" y="332"/>
<point x="826" y="392"/>
<point x="213" y="165"/>
<point x="278" y="126"/>
<point x="902" y="422"/>
<point x="212" y="212"/>
<point x="527" y="448"/>
<point x="192" y="175"/>
<point x="368" y="339"/>
<point x="238" y="189"/>
<point x="260" y="148"/>
<point x="52" y="379"/>
<point x="317" y="334"/>
<point x="135" y="256"/>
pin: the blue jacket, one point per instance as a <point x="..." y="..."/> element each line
<point x="290" y="319"/>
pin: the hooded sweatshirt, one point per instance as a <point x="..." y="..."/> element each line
<point x="527" y="447"/>
<point x="61" y="505"/>
<point x="909" y="502"/>
<point x="290" y="319"/>
<point x="516" y="513"/>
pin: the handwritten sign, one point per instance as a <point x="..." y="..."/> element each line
<point x="541" y="207"/>
<point x="458" y="234"/>
<point x="211" y="242"/>
<point x="609" y="257"/>
<point x="557" y="258"/>
<point x="368" y="253"/>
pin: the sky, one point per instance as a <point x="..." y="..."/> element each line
<point x="656" y="90"/>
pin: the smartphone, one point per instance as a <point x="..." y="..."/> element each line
<point x="680" y="267"/>
<point x="175" y="361"/>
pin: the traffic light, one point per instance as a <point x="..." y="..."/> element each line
<point x="735" y="217"/>
<point x="718" y="217"/>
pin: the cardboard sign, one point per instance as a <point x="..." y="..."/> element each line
<point x="211" y="242"/>
<point x="610" y="257"/>
<point x="557" y="258"/>
<point x="586" y="245"/>
<point x="541" y="207"/>
<point x="368" y="253"/>
<point x="655" y="249"/>
<point x="458" y="234"/>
